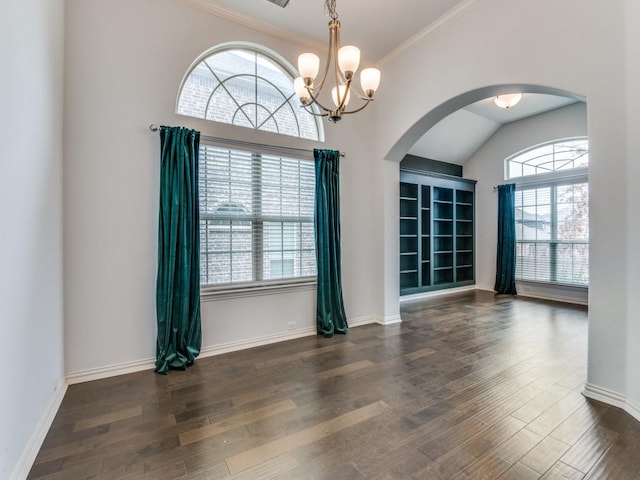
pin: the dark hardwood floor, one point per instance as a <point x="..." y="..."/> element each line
<point x="469" y="386"/>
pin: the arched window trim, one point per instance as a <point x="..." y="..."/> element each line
<point x="551" y="174"/>
<point x="261" y="50"/>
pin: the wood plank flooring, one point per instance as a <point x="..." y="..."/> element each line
<point x="469" y="386"/>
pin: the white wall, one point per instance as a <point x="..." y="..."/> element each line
<point x="31" y="55"/>
<point x="487" y="167"/>
<point x="633" y="228"/>
<point x="572" y="46"/>
<point x="124" y="63"/>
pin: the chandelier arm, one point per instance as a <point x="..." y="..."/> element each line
<point x="360" y="93"/>
<point x="342" y="100"/>
<point x="339" y="78"/>
<point x="327" y="63"/>
<point x="367" y="102"/>
<point x="314" y="113"/>
<point x="316" y="101"/>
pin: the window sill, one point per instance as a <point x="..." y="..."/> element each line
<point x="254" y="289"/>
<point x="568" y="286"/>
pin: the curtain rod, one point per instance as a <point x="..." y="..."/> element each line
<point x="155" y="128"/>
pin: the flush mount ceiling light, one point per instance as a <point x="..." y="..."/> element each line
<point x="507" y="101"/>
<point x="345" y="62"/>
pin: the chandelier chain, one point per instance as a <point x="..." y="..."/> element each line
<point x="330" y="6"/>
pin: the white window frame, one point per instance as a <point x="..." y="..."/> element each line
<point x="290" y="100"/>
<point x="551" y="180"/>
<point x="256" y="287"/>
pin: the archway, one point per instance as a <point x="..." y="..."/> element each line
<point x="431" y="118"/>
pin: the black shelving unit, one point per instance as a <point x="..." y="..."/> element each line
<point x="409" y="264"/>
<point x="436" y="232"/>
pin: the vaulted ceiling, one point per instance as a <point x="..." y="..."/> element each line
<point x="379" y="29"/>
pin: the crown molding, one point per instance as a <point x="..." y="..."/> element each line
<point x="252" y="22"/>
<point x="430" y="29"/>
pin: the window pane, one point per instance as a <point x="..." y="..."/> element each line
<point x="552" y="233"/>
<point x="533" y="261"/>
<point x="551" y="157"/>
<point x="573" y="263"/>
<point x="533" y="216"/>
<point x="246" y="88"/>
<point x="256" y="216"/>
<point x="573" y="212"/>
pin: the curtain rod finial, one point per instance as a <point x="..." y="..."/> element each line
<point x="153" y="127"/>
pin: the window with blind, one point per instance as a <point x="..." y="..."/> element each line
<point x="256" y="216"/>
<point x="552" y="213"/>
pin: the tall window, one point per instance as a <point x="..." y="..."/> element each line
<point x="256" y="202"/>
<point x="249" y="87"/>
<point x="256" y="214"/>
<point x="552" y="212"/>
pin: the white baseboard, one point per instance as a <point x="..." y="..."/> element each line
<point x="98" y="373"/>
<point x="553" y="298"/>
<point x="604" y="395"/>
<point x="612" y="398"/>
<point x="390" y="320"/>
<point x="228" y="347"/>
<point x="633" y="409"/>
<point x="212" y="350"/>
<point x="436" y="293"/>
<point x="32" y="448"/>
<point x="367" y="320"/>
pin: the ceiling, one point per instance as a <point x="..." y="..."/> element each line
<point x="373" y="27"/>
<point x="479" y="121"/>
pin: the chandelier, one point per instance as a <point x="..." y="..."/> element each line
<point x="345" y="61"/>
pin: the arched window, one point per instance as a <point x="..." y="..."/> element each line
<point x="246" y="85"/>
<point x="549" y="157"/>
<point x="552" y="212"/>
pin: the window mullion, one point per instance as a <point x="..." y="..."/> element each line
<point x="257" y="225"/>
<point x="553" y="246"/>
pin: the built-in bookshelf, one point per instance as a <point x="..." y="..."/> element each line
<point x="436" y="232"/>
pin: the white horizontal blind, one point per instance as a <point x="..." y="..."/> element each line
<point x="256" y="216"/>
<point x="552" y="233"/>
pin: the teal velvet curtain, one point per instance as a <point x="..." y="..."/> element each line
<point x="506" y="255"/>
<point x="178" y="283"/>
<point x="330" y="314"/>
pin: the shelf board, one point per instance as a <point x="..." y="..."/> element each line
<point x="412" y="199"/>
<point x="408" y="218"/>
<point x="464" y="266"/>
<point x="464" y="236"/>
<point x="426" y="261"/>
<point x="443" y="236"/>
<point x="464" y="251"/>
<point x="464" y="203"/>
<point x="424" y="235"/>
<point x="425" y="208"/>
<point x="409" y="236"/>
<point x="450" y="202"/>
<point x="408" y="253"/>
<point x="443" y="219"/>
<point x="463" y="220"/>
<point x="442" y="268"/>
<point x="444" y="251"/>
<point x="408" y="271"/>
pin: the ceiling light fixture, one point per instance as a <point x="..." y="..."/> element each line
<point x="280" y="3"/>
<point x="507" y="101"/>
<point x="345" y="62"/>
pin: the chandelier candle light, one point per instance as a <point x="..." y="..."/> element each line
<point x="345" y="62"/>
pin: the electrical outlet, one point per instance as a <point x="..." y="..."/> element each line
<point x="292" y="325"/>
